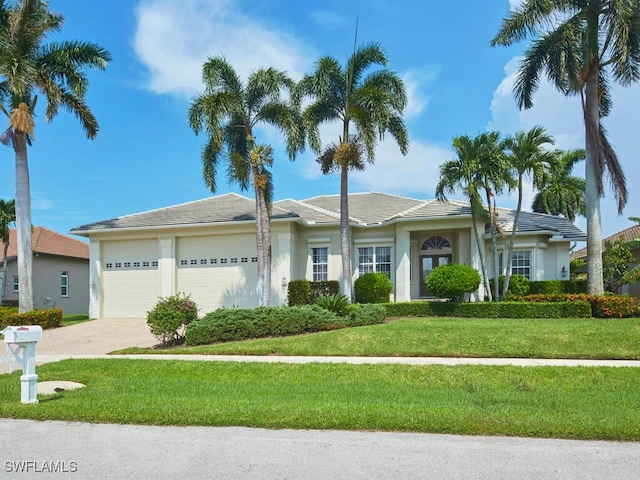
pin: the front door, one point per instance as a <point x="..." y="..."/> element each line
<point x="428" y="263"/>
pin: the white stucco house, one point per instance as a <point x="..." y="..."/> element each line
<point x="207" y="248"/>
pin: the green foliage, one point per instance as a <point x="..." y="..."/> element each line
<point x="510" y="309"/>
<point x="225" y="325"/>
<point x="366" y="314"/>
<point x="372" y="288"/>
<point x="170" y="316"/>
<point x="518" y="285"/>
<point x="336" y="303"/>
<point x="319" y="289"/>
<point x="616" y="258"/>
<point x="45" y="318"/>
<point x="577" y="269"/>
<point x="299" y="292"/>
<point x="550" y="287"/>
<point x="452" y="281"/>
<point x="602" y="306"/>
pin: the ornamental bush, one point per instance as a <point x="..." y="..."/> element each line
<point x="336" y="303"/>
<point x="170" y="317"/>
<point x="453" y="280"/>
<point x="45" y="318"/>
<point x="602" y="306"/>
<point x="372" y="288"/>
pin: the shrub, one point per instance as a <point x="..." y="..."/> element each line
<point x="45" y="318"/>
<point x="453" y="280"/>
<point x="372" y="288"/>
<point x="299" y="292"/>
<point x="336" y="303"/>
<point x="567" y="309"/>
<point x="170" y="316"/>
<point x="365" y="314"/>
<point x="602" y="306"/>
<point x="557" y="286"/>
<point x="319" y="289"/>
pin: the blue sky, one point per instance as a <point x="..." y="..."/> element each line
<point x="146" y="156"/>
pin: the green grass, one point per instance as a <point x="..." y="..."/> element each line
<point x="74" y="319"/>
<point x="451" y="337"/>
<point x="560" y="402"/>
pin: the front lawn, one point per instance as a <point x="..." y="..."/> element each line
<point x="452" y="337"/>
<point x="561" y="402"/>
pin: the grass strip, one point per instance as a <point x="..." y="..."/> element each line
<point x="603" y="339"/>
<point x="559" y="402"/>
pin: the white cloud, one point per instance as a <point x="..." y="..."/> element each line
<point x="330" y="20"/>
<point x="174" y="39"/>
<point x="416" y="81"/>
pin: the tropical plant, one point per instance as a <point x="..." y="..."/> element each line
<point x="580" y="45"/>
<point x="170" y="317"/>
<point x="464" y="173"/>
<point x="336" y="303"/>
<point x="526" y="156"/>
<point x="559" y="192"/>
<point x="228" y="111"/>
<point x="28" y="66"/>
<point x="7" y="217"/>
<point x="616" y="258"/>
<point x="632" y="275"/>
<point x="370" y="101"/>
<point x="453" y="281"/>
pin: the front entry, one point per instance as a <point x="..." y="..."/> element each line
<point x="428" y="263"/>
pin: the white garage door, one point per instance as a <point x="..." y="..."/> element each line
<point x="218" y="271"/>
<point x="131" y="283"/>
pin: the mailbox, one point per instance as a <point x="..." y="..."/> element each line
<point x="25" y="334"/>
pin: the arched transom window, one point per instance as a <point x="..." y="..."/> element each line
<point x="436" y="243"/>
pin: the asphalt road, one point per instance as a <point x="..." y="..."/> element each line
<point x="55" y="450"/>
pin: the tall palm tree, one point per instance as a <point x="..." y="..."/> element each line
<point x="526" y="156"/>
<point x="561" y="193"/>
<point x="228" y="111"/>
<point x="30" y="66"/>
<point x="370" y="101"/>
<point x="495" y="176"/>
<point x="580" y="44"/>
<point x="7" y="217"/>
<point x="463" y="174"/>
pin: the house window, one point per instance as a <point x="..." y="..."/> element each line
<point x="520" y="263"/>
<point x="15" y="284"/>
<point x="320" y="264"/>
<point x="64" y="284"/>
<point x="374" y="259"/>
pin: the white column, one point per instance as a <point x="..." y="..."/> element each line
<point x="95" y="280"/>
<point x="403" y="265"/>
<point x="167" y="266"/>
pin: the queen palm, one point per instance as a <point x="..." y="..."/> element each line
<point x="7" y="217"/>
<point x="465" y="174"/>
<point x="561" y="193"/>
<point x="526" y="156"/>
<point x="370" y="101"/>
<point x="30" y="66"/>
<point x="580" y="44"/>
<point x="228" y="111"/>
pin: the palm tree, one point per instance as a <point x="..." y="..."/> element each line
<point x="463" y="173"/>
<point x="370" y="101"/>
<point x="579" y="44"/>
<point x="561" y="193"/>
<point x="526" y="155"/>
<point x="495" y="176"/>
<point x="7" y="217"/>
<point x="227" y="112"/>
<point x="29" y="66"/>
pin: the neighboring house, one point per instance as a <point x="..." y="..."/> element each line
<point x="207" y="248"/>
<point x="60" y="271"/>
<point x="628" y="234"/>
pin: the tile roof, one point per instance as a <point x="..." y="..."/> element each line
<point x="628" y="234"/>
<point x="48" y="242"/>
<point x="364" y="209"/>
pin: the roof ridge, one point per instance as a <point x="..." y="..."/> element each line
<point x="314" y="208"/>
<point x="421" y="203"/>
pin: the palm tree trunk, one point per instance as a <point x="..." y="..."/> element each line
<point x="265" y="228"/>
<point x="260" y="247"/>
<point x="507" y="275"/>
<point x="593" y="180"/>
<point x="483" y="269"/>
<point x="5" y="270"/>
<point x="23" y="225"/>
<point x="345" y="233"/>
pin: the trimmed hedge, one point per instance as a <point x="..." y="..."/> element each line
<point x="372" y="287"/>
<point x="226" y="325"/>
<point x="306" y="292"/>
<point x="602" y="306"/>
<point x="44" y="318"/>
<point x="567" y="309"/>
<point x="557" y="286"/>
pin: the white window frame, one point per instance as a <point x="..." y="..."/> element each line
<point x="374" y="265"/>
<point x="517" y="269"/>
<point x="64" y="284"/>
<point x="16" y="284"/>
<point x="319" y="276"/>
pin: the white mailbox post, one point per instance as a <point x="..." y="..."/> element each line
<point x="21" y="347"/>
